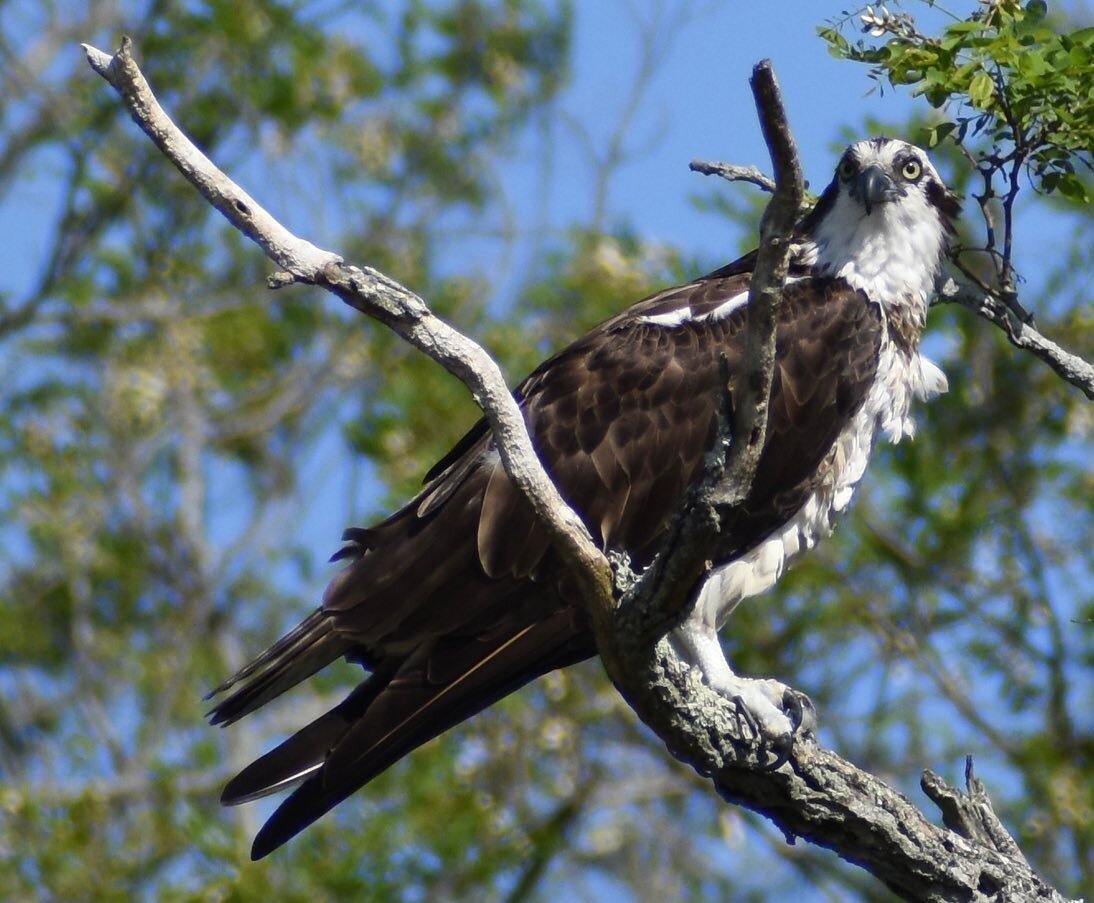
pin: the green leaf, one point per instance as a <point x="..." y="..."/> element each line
<point x="981" y="89"/>
<point x="1073" y="188"/>
<point x="939" y="132"/>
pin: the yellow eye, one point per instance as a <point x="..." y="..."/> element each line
<point x="911" y="170"/>
<point x="846" y="169"/>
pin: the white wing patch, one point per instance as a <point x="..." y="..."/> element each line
<point x="672" y="318"/>
<point x="727" y="308"/>
<point x="686" y="315"/>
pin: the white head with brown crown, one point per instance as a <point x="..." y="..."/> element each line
<point x="882" y="223"/>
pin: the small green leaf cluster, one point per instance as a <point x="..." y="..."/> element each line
<point x="1006" y="72"/>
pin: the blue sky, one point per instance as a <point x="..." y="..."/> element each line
<point x="699" y="105"/>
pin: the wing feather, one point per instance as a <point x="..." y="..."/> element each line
<point x="433" y="690"/>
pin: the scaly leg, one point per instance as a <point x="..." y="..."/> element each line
<point x="774" y="711"/>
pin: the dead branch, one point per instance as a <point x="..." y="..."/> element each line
<point x="1022" y="334"/>
<point x="373" y="294"/>
<point x="733" y="173"/>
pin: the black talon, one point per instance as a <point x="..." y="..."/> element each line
<point x="781" y="747"/>
<point x="800" y="710"/>
<point x="802" y="713"/>
<point x="745" y="715"/>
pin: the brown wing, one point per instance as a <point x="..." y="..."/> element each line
<point x="828" y="343"/>
<point x="456" y="600"/>
<point x="624" y="418"/>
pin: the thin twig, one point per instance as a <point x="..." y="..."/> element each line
<point x="732" y="173"/>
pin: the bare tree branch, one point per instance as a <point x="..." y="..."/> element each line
<point x="733" y="173"/>
<point x="815" y="793"/>
<point x="374" y="294"/>
<point x="766" y="288"/>
<point x="1069" y="367"/>
<point x="970" y="815"/>
<point x="662" y="595"/>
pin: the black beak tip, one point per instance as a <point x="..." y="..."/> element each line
<point x="874" y="187"/>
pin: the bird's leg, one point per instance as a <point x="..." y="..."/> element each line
<point x="773" y="711"/>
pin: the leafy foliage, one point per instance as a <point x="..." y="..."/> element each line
<point x="1007" y="73"/>
<point x="1016" y="90"/>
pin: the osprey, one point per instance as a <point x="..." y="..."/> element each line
<point x="457" y="599"/>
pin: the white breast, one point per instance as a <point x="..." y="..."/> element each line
<point x="885" y="411"/>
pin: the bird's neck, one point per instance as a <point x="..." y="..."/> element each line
<point x="889" y="255"/>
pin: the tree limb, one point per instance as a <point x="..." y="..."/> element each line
<point x="1069" y="367"/>
<point x="376" y="295"/>
<point x="661" y="597"/>
<point x="733" y="173"/>
<point x="971" y="815"/>
<point x="815" y="794"/>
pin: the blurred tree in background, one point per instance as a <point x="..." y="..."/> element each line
<point x="164" y="418"/>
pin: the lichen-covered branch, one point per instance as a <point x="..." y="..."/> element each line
<point x="971" y="814"/>
<point x="815" y="794"/>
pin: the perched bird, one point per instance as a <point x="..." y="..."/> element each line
<point x="457" y="598"/>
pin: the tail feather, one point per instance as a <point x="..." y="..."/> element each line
<point x="304" y="650"/>
<point x="304" y="752"/>
<point x="409" y="711"/>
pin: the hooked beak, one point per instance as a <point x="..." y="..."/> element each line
<point x="874" y="186"/>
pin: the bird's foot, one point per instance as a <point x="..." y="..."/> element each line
<point x="775" y="714"/>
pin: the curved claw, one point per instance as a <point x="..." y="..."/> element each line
<point x="781" y="747"/>
<point x="800" y="710"/>
<point x="779" y="743"/>
<point x="802" y="713"/>
<point x="745" y="714"/>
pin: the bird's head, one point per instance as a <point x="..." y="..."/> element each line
<point x="883" y="221"/>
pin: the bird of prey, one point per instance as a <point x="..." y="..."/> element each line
<point x="457" y="598"/>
